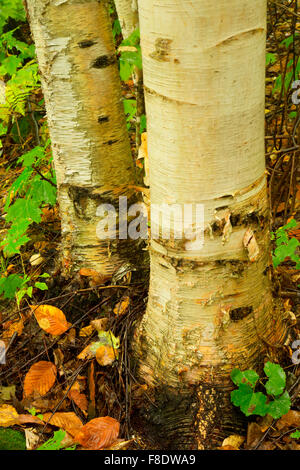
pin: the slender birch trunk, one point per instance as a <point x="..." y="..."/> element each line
<point x="90" y="144"/>
<point x="210" y="309"/>
<point x="128" y="16"/>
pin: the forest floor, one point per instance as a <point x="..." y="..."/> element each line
<point x="50" y="381"/>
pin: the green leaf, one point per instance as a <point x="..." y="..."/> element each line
<point x="249" y="402"/>
<point x="277" y="379"/>
<point x="296" y="434"/>
<point x="54" y="443"/>
<point x="10" y="284"/>
<point x="280" y="406"/>
<point x="246" y="377"/>
<point x="41" y="285"/>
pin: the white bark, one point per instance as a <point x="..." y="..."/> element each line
<point x="90" y="144"/>
<point x="209" y="309"/>
<point x="128" y="16"/>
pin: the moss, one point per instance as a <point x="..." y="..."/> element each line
<point x="12" y="440"/>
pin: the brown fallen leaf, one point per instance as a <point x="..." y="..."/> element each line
<point x="8" y="416"/>
<point x="291" y="419"/>
<point x="68" y="421"/>
<point x="99" y="433"/>
<point x="100" y="324"/>
<point x="79" y="399"/>
<point x="29" y="419"/>
<point x="40" y="378"/>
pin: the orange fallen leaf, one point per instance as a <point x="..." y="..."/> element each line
<point x="8" y="416"/>
<point x="68" y="421"/>
<point x="86" y="353"/>
<point x="40" y="378"/>
<point x="79" y="399"/>
<point x="122" y="307"/>
<point x="99" y="433"/>
<point x="106" y="355"/>
<point x="51" y="319"/>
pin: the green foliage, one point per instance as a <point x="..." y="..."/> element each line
<point x="26" y="197"/>
<point x="55" y="442"/>
<point x="12" y="440"/>
<point x="276" y="403"/>
<point x="285" y="246"/>
<point x="289" y="75"/>
<point x="130" y="59"/>
<point x="34" y="187"/>
<point x="296" y="434"/>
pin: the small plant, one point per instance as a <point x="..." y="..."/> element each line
<point x="285" y="246"/>
<point x="296" y="434"/>
<point x="55" y="442"/>
<point x="276" y="402"/>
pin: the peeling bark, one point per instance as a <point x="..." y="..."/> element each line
<point x="210" y="309"/>
<point x="91" y="149"/>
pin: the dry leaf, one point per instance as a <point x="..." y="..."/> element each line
<point x="40" y="378"/>
<point x="32" y="438"/>
<point x="291" y="419"/>
<point x="68" y="421"/>
<point x="8" y="416"/>
<point x="234" y="441"/>
<point x="100" y="324"/>
<point x="12" y="327"/>
<point x="26" y="419"/>
<point x="51" y="319"/>
<point x="122" y="307"/>
<point x="86" y="331"/>
<point x="86" y="353"/>
<point x="106" y="355"/>
<point x="99" y="433"/>
<point x="79" y="399"/>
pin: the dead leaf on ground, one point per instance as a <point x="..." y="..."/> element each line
<point x="99" y="433"/>
<point x="234" y="441"/>
<point x="106" y="355"/>
<point x="50" y="319"/>
<point x="32" y="438"/>
<point x="67" y="421"/>
<point x="100" y="324"/>
<point x="40" y="378"/>
<point x="291" y="419"/>
<point x="8" y="416"/>
<point x="122" y="307"/>
<point x="79" y="399"/>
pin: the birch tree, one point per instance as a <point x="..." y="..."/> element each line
<point x="91" y="150"/>
<point x="210" y="308"/>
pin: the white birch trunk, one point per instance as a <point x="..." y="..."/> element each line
<point x="128" y="16"/>
<point x="210" y="309"/>
<point x="90" y="144"/>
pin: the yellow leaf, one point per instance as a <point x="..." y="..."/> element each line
<point x="8" y="416"/>
<point x="122" y="306"/>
